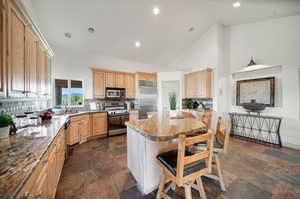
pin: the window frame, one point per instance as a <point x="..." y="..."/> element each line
<point x="70" y="91"/>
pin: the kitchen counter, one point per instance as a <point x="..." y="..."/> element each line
<point x="159" y="127"/>
<point x="20" y="153"/>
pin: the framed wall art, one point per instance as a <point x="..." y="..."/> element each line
<point x="261" y="90"/>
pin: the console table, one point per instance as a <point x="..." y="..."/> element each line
<point x="258" y="128"/>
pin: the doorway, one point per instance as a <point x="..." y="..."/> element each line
<point x="167" y="88"/>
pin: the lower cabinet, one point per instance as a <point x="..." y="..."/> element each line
<point x="43" y="181"/>
<point x="99" y="123"/>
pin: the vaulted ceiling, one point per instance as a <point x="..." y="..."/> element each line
<point x="119" y="23"/>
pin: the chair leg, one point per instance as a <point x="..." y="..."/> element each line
<point x="161" y="186"/>
<point x="188" y="192"/>
<point x="201" y="188"/>
<point x="220" y="175"/>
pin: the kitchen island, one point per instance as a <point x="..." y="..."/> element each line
<point x="146" y="137"/>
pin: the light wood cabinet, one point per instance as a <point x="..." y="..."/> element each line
<point x="3" y="47"/>
<point x="120" y="80"/>
<point x="110" y="79"/>
<point x="198" y="84"/>
<point x="16" y="48"/>
<point x="84" y="130"/>
<point x="42" y="183"/>
<point x="79" y="129"/>
<point x="40" y="69"/>
<point x="99" y="123"/>
<point x="130" y="85"/>
<point x="73" y="134"/>
<point x="30" y="63"/>
<point x="47" y="75"/>
<point x="146" y="76"/>
<point x="99" y="84"/>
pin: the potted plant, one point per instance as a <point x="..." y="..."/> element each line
<point x="5" y="122"/>
<point x="189" y="103"/>
<point x="172" y="100"/>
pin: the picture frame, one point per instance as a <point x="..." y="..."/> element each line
<point x="262" y="90"/>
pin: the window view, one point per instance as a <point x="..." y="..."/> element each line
<point x="69" y="92"/>
<point x="76" y="93"/>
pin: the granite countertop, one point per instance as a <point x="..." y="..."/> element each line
<point x="20" y="153"/>
<point x="160" y="127"/>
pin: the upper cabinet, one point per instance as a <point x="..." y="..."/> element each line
<point x="130" y="85"/>
<point x="120" y="80"/>
<point x="25" y="68"/>
<point x="16" y="52"/>
<point x="99" y="84"/>
<point x="30" y="63"/>
<point x="3" y="47"/>
<point x="146" y="76"/>
<point x="112" y="79"/>
<point x="198" y="84"/>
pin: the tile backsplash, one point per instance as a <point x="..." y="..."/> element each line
<point x="21" y="105"/>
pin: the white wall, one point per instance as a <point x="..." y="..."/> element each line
<point x="168" y="76"/>
<point x="272" y="42"/>
<point x="207" y="52"/>
<point x="68" y="64"/>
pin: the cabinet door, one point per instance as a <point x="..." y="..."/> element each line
<point x="40" y="70"/>
<point x="30" y="62"/>
<point x="52" y="173"/>
<point x="84" y="130"/>
<point x="73" y="136"/>
<point x="200" y="89"/>
<point x="100" y="126"/>
<point x="3" y="46"/>
<point x="48" y="75"/>
<point x="41" y="188"/>
<point x="110" y="79"/>
<point x="16" y="53"/>
<point x="99" y="84"/>
<point x="130" y="85"/>
<point x="120" y="80"/>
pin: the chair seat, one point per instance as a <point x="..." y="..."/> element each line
<point x="169" y="160"/>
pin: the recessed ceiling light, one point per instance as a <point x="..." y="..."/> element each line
<point x="236" y="4"/>
<point x="191" y="29"/>
<point x="68" y="35"/>
<point x="137" y="44"/>
<point x="155" y="10"/>
<point x="91" y="30"/>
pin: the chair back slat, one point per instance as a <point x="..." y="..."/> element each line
<point x="206" y="118"/>
<point x="197" y="139"/>
<point x="196" y="157"/>
<point x="183" y="160"/>
<point x="223" y="132"/>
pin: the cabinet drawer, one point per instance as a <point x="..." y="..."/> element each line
<point x="80" y="117"/>
<point x="97" y="115"/>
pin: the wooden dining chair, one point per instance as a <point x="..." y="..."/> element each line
<point x="221" y="142"/>
<point x="183" y="168"/>
<point x="206" y="118"/>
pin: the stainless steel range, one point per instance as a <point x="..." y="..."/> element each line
<point x="117" y="116"/>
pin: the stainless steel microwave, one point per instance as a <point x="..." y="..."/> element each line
<point x="115" y="92"/>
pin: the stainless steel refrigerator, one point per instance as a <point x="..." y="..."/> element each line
<point x="146" y="97"/>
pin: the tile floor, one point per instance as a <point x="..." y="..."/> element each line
<point x="98" y="169"/>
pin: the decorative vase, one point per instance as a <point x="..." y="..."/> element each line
<point x="4" y="131"/>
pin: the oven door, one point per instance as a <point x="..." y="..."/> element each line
<point x="116" y="124"/>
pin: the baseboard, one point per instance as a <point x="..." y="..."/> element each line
<point x="291" y="145"/>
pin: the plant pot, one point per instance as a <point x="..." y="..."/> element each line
<point x="4" y="131"/>
<point x="173" y="113"/>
